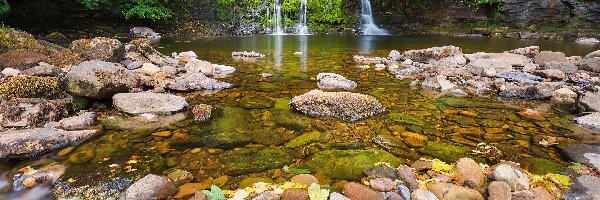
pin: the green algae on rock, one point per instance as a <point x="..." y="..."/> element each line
<point x="444" y="151"/>
<point x="304" y="139"/>
<point x="247" y="161"/>
<point x="540" y="166"/>
<point x="349" y="164"/>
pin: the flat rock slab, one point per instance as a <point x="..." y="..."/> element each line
<point x="33" y="142"/>
<point x="142" y="103"/>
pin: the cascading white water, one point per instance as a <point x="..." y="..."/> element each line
<point x="301" y="28"/>
<point x="277" y="30"/>
<point x="368" y="24"/>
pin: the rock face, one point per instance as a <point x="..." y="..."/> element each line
<point x="590" y="64"/>
<point x="99" y="48"/>
<point x="516" y="179"/>
<point x="438" y="83"/>
<point x="451" y="191"/>
<point x="21" y="59"/>
<point x="99" y="79"/>
<point x="357" y="191"/>
<point x="151" y="187"/>
<point x="154" y="103"/>
<point x="33" y="142"/>
<point x="342" y="105"/>
<point x="32" y="111"/>
<point x="85" y="120"/>
<point x="334" y="81"/>
<point x="144" y="32"/>
<point x="591" y="121"/>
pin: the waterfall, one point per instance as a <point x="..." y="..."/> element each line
<point x="368" y="24"/>
<point x="277" y="17"/>
<point x="301" y="28"/>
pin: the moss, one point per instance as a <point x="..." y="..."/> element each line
<point x="80" y="103"/>
<point x="446" y="152"/>
<point x="304" y="139"/>
<point x="248" y="182"/>
<point x="247" y="161"/>
<point x="30" y="87"/>
<point x="11" y="39"/>
<point x="349" y="164"/>
<point x="540" y="166"/>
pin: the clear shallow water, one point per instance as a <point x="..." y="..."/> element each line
<point x="257" y="108"/>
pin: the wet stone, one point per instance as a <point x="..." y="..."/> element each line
<point x="246" y="161"/>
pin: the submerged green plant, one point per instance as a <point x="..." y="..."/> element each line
<point x="215" y="193"/>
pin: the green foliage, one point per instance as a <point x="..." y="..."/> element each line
<point x="154" y="10"/>
<point x="4" y="7"/>
<point x="215" y="193"/>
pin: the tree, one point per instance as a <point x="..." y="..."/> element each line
<point x="155" y="10"/>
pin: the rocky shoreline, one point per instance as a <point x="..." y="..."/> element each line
<point x="55" y="98"/>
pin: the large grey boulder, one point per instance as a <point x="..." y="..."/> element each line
<point x="334" y="81"/>
<point x="446" y="55"/>
<point x="498" y="61"/>
<point x="584" y="187"/>
<point x="99" y="48"/>
<point x="547" y="56"/>
<point x="33" y="142"/>
<point x="583" y="153"/>
<point x="197" y="82"/>
<point x="527" y="91"/>
<point x="590" y="64"/>
<point x="151" y="187"/>
<point x="153" y="103"/>
<point x="591" y="121"/>
<point x="99" y="79"/>
<point x="342" y="105"/>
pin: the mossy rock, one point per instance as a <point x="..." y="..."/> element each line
<point x="349" y="164"/>
<point x="31" y="87"/>
<point x="229" y="119"/>
<point x="12" y="39"/>
<point x="226" y="140"/>
<point x="540" y="166"/>
<point x="406" y="119"/>
<point x="255" y="103"/>
<point x="267" y="87"/>
<point x="292" y="120"/>
<point x="248" y="161"/>
<point x="304" y="139"/>
<point x="455" y="102"/>
<point x="265" y="136"/>
<point x="444" y="151"/>
<point x="283" y="104"/>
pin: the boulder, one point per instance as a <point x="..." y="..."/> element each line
<point x="357" y="191"/>
<point x="452" y="191"/>
<point x="468" y="172"/>
<point x="23" y="112"/>
<point x="154" y="103"/>
<point x="46" y="176"/>
<point x="547" y="56"/>
<point x="590" y="64"/>
<point x="554" y="74"/>
<point x="342" y="105"/>
<point x="151" y="187"/>
<point x="564" y="95"/>
<point x="594" y="54"/>
<point x="334" y="81"/>
<point x="591" y="121"/>
<point x="99" y="48"/>
<point x="29" y="143"/>
<point x="432" y="54"/>
<point x="150" y="69"/>
<point x="591" y="100"/>
<point x="21" y="59"/>
<point x="197" y="82"/>
<point x="143" y="32"/>
<point x="499" y="61"/>
<point x="499" y="190"/>
<point x="437" y="83"/>
<point x="82" y="121"/>
<point x="305" y="179"/>
<point x="348" y="164"/>
<point x="99" y="79"/>
<point x="295" y="194"/>
<point x="207" y="68"/>
<point x="395" y="55"/>
<point x="530" y="51"/>
<point x="527" y="91"/>
<point x="513" y="175"/>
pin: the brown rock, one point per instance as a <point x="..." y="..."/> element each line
<point x="542" y="194"/>
<point x="414" y="140"/>
<point x="189" y="189"/>
<point x="499" y="190"/>
<point x="523" y="195"/>
<point x="447" y="191"/>
<point x="421" y="165"/>
<point x="407" y="175"/>
<point x="21" y="59"/>
<point x="356" y="191"/>
<point x="305" y="179"/>
<point x="295" y="194"/>
<point x="466" y="169"/>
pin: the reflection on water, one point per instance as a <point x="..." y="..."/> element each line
<point x="303" y="49"/>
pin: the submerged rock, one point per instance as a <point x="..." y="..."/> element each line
<point x="348" y="164"/>
<point x="444" y="151"/>
<point x="202" y="112"/>
<point x="153" y="103"/>
<point x="99" y="48"/>
<point x="334" y="81"/>
<point x="99" y="79"/>
<point x="247" y="161"/>
<point x="33" y="142"/>
<point x="342" y="105"/>
<point x="246" y="54"/>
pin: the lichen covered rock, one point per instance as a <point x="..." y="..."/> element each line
<point x="99" y="48"/>
<point x="342" y="105"/>
<point x="30" y="87"/>
<point x="99" y="79"/>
